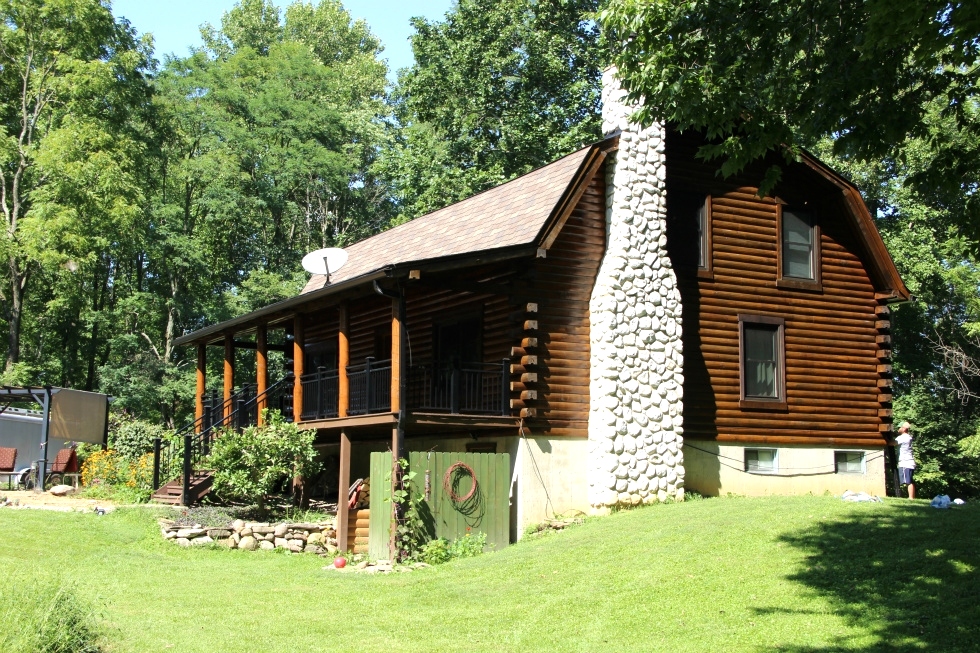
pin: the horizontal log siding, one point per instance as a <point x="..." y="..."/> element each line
<point x="831" y="361"/>
<point x="562" y="288"/>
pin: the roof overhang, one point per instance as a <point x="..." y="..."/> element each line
<point x="287" y="307"/>
<point x="537" y="246"/>
<point x="883" y="268"/>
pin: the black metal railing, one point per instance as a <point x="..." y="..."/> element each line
<point x="182" y="453"/>
<point x="370" y="387"/>
<point x="320" y="394"/>
<point x="460" y="388"/>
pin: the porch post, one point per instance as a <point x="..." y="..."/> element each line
<point x="343" y="360"/>
<point x="261" y="370"/>
<point x="342" y="507"/>
<point x="398" y="399"/>
<point x="229" y="373"/>
<point x="202" y="366"/>
<point x="396" y="357"/>
<point x="298" y="363"/>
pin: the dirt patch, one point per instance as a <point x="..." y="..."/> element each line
<point x="16" y="499"/>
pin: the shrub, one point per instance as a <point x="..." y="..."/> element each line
<point x="436" y="552"/>
<point x="131" y="437"/>
<point x="249" y="464"/>
<point x="46" y="616"/>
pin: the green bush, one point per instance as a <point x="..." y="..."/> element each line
<point x="436" y="552"/>
<point x="250" y="464"/>
<point x="132" y="437"/>
<point x="46" y="616"/>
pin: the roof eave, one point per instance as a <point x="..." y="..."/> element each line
<point x="881" y="260"/>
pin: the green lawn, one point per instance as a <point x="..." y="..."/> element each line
<point x="785" y="574"/>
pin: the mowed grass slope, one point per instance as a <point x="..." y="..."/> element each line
<point x="787" y="574"/>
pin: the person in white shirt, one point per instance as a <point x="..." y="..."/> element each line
<point x="906" y="461"/>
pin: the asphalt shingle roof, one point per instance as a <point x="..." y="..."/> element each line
<point x="507" y="215"/>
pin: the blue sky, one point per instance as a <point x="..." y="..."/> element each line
<point x="174" y="23"/>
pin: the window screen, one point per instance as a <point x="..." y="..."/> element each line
<point x="760" y="460"/>
<point x="797" y="244"/>
<point x="761" y="365"/>
<point x="849" y="462"/>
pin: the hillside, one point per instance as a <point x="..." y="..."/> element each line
<point x="788" y="574"/>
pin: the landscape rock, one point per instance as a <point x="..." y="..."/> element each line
<point x="248" y="543"/>
<point x="266" y="545"/>
<point x="62" y="490"/>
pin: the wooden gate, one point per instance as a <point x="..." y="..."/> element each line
<point x="478" y="500"/>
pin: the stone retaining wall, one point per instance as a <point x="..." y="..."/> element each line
<point x="296" y="537"/>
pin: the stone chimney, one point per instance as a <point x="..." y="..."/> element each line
<point x="636" y="412"/>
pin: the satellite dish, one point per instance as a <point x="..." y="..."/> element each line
<point x="325" y="261"/>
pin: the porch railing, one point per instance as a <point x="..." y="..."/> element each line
<point x="320" y="394"/>
<point x="460" y="388"/>
<point x="182" y="453"/>
<point x="370" y="387"/>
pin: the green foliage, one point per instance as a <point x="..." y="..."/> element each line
<point x="410" y="532"/>
<point x="498" y="89"/>
<point x="42" y="614"/>
<point x="249" y="465"/>
<point x="756" y="77"/>
<point x="131" y="437"/>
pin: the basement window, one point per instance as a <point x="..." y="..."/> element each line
<point x="849" y="462"/>
<point x="761" y="461"/>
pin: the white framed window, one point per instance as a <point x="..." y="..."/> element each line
<point x="849" y="462"/>
<point x="798" y="249"/>
<point x="761" y="461"/>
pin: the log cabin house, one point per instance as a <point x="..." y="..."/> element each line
<point x="623" y="322"/>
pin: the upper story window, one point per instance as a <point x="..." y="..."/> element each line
<point x="799" y="248"/>
<point x="762" y="364"/>
<point x="704" y="234"/>
<point x="689" y="232"/>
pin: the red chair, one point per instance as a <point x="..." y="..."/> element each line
<point x="65" y="465"/>
<point x="8" y="458"/>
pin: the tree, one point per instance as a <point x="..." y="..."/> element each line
<point x="70" y="77"/>
<point x="498" y="89"/>
<point x="763" y="75"/>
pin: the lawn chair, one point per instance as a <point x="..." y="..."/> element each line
<point x="64" y="467"/>
<point x="8" y="458"/>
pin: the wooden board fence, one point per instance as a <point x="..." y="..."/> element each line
<point x="483" y="509"/>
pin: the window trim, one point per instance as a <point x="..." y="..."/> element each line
<point x="775" y="461"/>
<point x="760" y="403"/>
<point x="706" y="271"/>
<point x="815" y="284"/>
<point x="864" y="460"/>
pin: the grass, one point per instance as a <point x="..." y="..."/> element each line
<point x="799" y="574"/>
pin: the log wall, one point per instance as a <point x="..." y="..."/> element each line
<point x="562" y="288"/>
<point x="833" y="335"/>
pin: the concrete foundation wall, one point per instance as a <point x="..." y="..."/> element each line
<point x="549" y="479"/>
<point x="715" y="469"/>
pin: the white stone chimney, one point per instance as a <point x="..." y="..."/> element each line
<point x="635" y="417"/>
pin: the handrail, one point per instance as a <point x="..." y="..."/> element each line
<point x="189" y="447"/>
